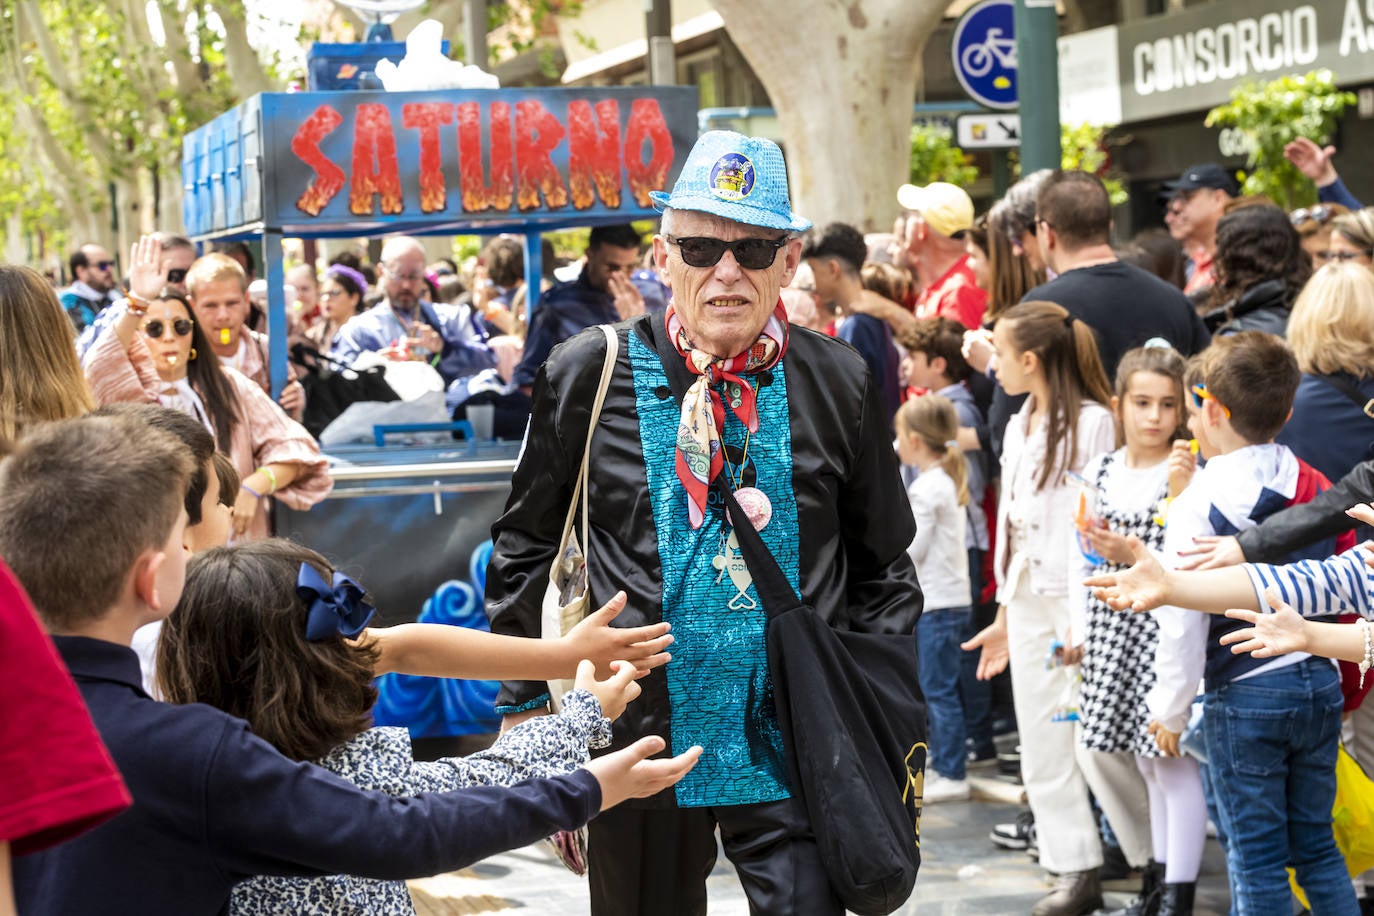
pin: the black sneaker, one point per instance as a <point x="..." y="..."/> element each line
<point x="1017" y="835"/>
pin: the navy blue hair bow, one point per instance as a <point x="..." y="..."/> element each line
<point x="338" y="610"/>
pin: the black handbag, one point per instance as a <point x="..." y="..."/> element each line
<point x="331" y="386"/>
<point x="853" y="723"/>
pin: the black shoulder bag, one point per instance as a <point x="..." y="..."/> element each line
<point x="853" y="724"/>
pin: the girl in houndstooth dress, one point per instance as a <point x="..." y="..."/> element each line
<point x="1126" y="493"/>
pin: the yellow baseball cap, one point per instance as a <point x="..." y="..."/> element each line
<point x="945" y="207"/>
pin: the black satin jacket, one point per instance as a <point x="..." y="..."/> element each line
<point x="853" y="516"/>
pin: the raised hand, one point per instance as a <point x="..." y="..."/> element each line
<point x="615" y="692"/>
<point x="630" y="773"/>
<point x="146" y="278"/>
<point x="1312" y="160"/>
<point x="594" y="638"/>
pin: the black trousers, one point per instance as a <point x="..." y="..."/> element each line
<point x="654" y="862"/>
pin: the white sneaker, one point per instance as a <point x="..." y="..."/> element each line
<point x="938" y="789"/>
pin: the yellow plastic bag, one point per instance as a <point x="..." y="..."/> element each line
<point x="1352" y="819"/>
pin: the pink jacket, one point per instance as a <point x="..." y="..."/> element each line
<point x="263" y="435"/>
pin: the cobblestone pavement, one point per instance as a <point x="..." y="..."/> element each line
<point x="961" y="873"/>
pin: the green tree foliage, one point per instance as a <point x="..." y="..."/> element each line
<point x="1084" y="147"/>
<point x="934" y="157"/>
<point x="1271" y="115"/>
<point x="95" y="97"/>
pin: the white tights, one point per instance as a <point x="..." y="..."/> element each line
<point x="1178" y="815"/>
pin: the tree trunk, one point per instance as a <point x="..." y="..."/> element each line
<point x="178" y="49"/>
<point x="240" y="58"/>
<point x="842" y="78"/>
<point x="168" y="215"/>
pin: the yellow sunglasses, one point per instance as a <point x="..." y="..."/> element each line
<point x="1200" y="392"/>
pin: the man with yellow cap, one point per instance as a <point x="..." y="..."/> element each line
<point x="793" y="420"/>
<point x="938" y="216"/>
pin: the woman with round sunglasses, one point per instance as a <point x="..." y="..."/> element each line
<point x="156" y="352"/>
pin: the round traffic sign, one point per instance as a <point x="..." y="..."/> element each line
<point x="984" y="53"/>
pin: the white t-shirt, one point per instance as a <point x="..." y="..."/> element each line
<point x="938" y="549"/>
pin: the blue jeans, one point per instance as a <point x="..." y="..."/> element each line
<point x="1271" y="746"/>
<point x="938" y="657"/>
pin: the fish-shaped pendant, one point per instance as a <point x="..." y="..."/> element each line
<point x="731" y="561"/>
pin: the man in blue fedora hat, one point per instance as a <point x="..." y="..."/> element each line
<point x="719" y="386"/>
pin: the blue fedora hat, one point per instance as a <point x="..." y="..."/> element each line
<point x="737" y="178"/>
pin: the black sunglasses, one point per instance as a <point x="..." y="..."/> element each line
<point x="751" y="254"/>
<point x="176" y="275"/>
<point x="104" y="265"/>
<point x="181" y="327"/>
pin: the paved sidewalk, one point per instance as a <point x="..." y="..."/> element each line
<point x="961" y="873"/>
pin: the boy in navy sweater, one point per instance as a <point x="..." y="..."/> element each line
<point x="91" y="519"/>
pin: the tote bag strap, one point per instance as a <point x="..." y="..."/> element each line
<point x="1348" y="388"/>
<point x="769" y="580"/>
<point x="580" y="488"/>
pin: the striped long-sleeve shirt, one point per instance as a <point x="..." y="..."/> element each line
<point x="1342" y="584"/>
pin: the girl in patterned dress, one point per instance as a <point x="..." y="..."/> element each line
<point x="1124" y="493"/>
<point x="271" y="633"/>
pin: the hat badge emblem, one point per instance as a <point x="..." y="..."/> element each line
<point x="732" y="177"/>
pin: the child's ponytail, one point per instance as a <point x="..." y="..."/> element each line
<point x="1072" y="368"/>
<point x="934" y="419"/>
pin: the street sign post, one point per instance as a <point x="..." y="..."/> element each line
<point x="984" y="53"/>
<point x="989" y="131"/>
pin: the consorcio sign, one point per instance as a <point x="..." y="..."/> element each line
<point x="1193" y="59"/>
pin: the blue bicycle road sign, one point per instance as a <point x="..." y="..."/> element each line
<point x="984" y="52"/>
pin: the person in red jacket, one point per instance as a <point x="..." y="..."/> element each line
<point x="58" y="780"/>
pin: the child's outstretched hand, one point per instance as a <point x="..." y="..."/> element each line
<point x="1212" y="552"/>
<point x="1268" y="635"/>
<point x="1362" y="512"/>
<point x="630" y="773"/>
<point x="1140" y="588"/>
<point x="596" y="639"/>
<point x="615" y="692"/>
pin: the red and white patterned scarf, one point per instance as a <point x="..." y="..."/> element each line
<point x="699" y="456"/>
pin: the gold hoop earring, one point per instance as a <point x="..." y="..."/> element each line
<point x="193" y="355"/>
